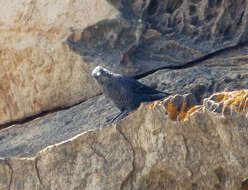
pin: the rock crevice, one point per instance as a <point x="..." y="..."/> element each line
<point x="195" y="50"/>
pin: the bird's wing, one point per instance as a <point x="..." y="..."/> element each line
<point x="140" y="88"/>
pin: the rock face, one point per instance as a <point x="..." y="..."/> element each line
<point x="166" y="33"/>
<point x="29" y="138"/>
<point x="146" y="151"/>
<point x="40" y="80"/>
<point x="194" y="139"/>
<point x="40" y="71"/>
<point x="49" y="48"/>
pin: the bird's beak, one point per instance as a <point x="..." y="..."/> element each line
<point x="96" y="74"/>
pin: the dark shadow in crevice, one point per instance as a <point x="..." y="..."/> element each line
<point x="41" y="114"/>
<point x="191" y="63"/>
<point x="244" y="184"/>
<point x="152" y="8"/>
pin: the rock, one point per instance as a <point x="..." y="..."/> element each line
<point x="43" y="23"/>
<point x="27" y="139"/>
<point x="206" y="152"/>
<point x="190" y="30"/>
<point x="49" y="48"/>
<point x="102" y="163"/>
<point x="40" y="71"/>
<point x="228" y="103"/>
<point x="226" y="71"/>
<point x="41" y="80"/>
<point x="194" y="139"/>
<point x="198" y="81"/>
<point x="5" y="173"/>
<point x="146" y="151"/>
<point x="178" y="107"/>
<point x="164" y="34"/>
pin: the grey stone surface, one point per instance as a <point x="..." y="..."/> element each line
<point x="154" y="34"/>
<point x="46" y="58"/>
<point x="146" y="151"/>
<point x="226" y="71"/>
<point x="196" y="147"/>
<point x="39" y="71"/>
<point x="29" y="138"/>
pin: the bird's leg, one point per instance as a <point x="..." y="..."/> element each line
<point x="112" y="120"/>
<point x="120" y="116"/>
<point x="117" y="118"/>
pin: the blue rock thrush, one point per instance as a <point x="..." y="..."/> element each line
<point x="125" y="92"/>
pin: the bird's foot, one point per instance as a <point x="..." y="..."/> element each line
<point x="117" y="118"/>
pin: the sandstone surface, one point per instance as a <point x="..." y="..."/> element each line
<point x="40" y="71"/>
<point x="49" y="48"/>
<point x="165" y="34"/>
<point x="27" y="139"/>
<point x="54" y="124"/>
<point x="225" y="71"/>
<point x="147" y="150"/>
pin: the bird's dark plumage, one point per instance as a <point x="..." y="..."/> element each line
<point x="125" y="92"/>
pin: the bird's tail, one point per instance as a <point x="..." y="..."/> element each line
<point x="153" y="97"/>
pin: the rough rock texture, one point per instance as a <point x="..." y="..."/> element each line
<point x="29" y="138"/>
<point x="191" y="29"/>
<point x="194" y="139"/>
<point x="147" y="151"/>
<point x="88" y="168"/>
<point x="39" y="70"/>
<point x="40" y="80"/>
<point x="165" y="33"/>
<point x="225" y="71"/>
<point x="48" y="47"/>
<point x="228" y="103"/>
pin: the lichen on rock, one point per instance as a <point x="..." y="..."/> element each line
<point x="55" y="130"/>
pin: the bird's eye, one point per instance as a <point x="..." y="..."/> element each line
<point x="98" y="74"/>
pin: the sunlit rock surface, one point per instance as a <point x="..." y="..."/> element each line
<point x="39" y="70"/>
<point x="54" y="124"/>
<point x="147" y="150"/>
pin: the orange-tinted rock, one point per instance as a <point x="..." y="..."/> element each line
<point x="228" y="102"/>
<point x="35" y="80"/>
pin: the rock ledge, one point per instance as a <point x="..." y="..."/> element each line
<point x="147" y="150"/>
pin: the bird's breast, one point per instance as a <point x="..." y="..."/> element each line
<point x="121" y="96"/>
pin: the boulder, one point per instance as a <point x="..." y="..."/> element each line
<point x="39" y="70"/>
<point x="55" y="130"/>
<point x="146" y="150"/>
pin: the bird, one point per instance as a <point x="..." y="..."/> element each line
<point x="125" y="92"/>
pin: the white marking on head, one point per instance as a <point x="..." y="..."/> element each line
<point x="98" y="71"/>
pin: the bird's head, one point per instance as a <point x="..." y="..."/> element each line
<point x="101" y="74"/>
